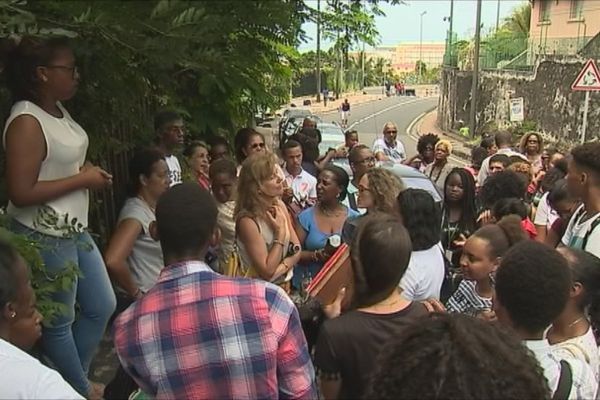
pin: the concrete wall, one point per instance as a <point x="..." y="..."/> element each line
<point x="547" y="94"/>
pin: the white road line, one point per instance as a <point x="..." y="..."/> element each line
<point x="368" y="117"/>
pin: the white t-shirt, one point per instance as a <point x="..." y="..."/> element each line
<point x="396" y="154"/>
<point x="304" y="185"/>
<point x="484" y="171"/>
<point x="174" y="169"/>
<point x="146" y="258"/>
<point x="584" y="382"/>
<point x="425" y="274"/>
<point x="24" y="377"/>
<point x="583" y="348"/>
<point x="66" y="148"/>
<point x="545" y="215"/>
<point x="579" y="228"/>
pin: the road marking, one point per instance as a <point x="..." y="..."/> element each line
<point x="368" y="117"/>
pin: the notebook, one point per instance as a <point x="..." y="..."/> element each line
<point x="335" y="274"/>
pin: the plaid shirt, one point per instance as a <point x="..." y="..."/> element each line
<point x="200" y="335"/>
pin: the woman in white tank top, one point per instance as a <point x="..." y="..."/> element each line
<point x="48" y="178"/>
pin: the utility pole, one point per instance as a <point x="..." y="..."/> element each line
<point x="362" y="80"/>
<point x="498" y="16"/>
<point x="318" y="51"/>
<point x="450" y="36"/>
<point x="472" y="116"/>
<point x="420" y="62"/>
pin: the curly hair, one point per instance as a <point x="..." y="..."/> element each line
<point x="586" y="155"/>
<point x="442" y="356"/>
<point x="384" y="186"/>
<point x="525" y="138"/>
<point x="532" y="285"/>
<point x="501" y="185"/>
<point x="255" y="170"/>
<point x="429" y="139"/>
<point x="380" y="254"/>
<point x="421" y="216"/>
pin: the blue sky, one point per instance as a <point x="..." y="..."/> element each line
<point x="401" y="23"/>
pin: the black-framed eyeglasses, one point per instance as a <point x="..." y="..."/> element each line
<point x="74" y="70"/>
<point x="368" y="160"/>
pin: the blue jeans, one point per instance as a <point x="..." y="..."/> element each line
<point x="70" y="341"/>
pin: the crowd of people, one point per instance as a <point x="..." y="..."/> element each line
<point x="491" y="293"/>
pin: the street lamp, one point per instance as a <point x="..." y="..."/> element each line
<point x="420" y="66"/>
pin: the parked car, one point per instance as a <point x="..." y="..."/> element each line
<point x="411" y="177"/>
<point x="292" y="126"/>
<point x="292" y="112"/>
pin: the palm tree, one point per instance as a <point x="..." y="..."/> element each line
<point x="519" y="20"/>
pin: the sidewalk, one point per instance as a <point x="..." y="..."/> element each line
<point x="461" y="148"/>
<point x="354" y="98"/>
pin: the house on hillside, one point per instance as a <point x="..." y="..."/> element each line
<point x="561" y="27"/>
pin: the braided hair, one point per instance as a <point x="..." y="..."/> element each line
<point x="457" y="357"/>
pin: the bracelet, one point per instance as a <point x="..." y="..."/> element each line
<point x="287" y="267"/>
<point x="279" y="242"/>
<point x="315" y="256"/>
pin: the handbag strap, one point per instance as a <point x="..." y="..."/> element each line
<point x="565" y="382"/>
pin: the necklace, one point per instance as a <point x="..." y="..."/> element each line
<point x="147" y="203"/>
<point x="576" y="321"/>
<point x="329" y="212"/>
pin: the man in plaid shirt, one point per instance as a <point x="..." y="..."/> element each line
<point x="201" y="335"/>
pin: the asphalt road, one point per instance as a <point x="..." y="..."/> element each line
<point x="369" y="118"/>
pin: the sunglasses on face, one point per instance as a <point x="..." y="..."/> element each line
<point x="390" y="132"/>
<point x="258" y="145"/>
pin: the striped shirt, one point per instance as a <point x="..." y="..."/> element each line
<point x="466" y="300"/>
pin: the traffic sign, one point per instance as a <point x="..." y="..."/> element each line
<point x="588" y="79"/>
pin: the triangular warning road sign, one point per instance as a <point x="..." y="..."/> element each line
<point x="588" y="78"/>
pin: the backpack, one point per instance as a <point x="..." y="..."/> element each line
<point x="591" y="228"/>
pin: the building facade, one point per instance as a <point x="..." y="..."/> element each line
<point x="562" y="27"/>
<point x="404" y="56"/>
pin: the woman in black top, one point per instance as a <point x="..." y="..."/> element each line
<point x="459" y="212"/>
<point x="349" y="345"/>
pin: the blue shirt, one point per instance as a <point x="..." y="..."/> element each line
<point x="315" y="240"/>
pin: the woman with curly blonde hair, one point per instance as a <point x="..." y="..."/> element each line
<point x="532" y="146"/>
<point x="439" y="169"/>
<point x="377" y="193"/>
<point x="267" y="244"/>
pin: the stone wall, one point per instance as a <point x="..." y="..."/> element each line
<point x="547" y="95"/>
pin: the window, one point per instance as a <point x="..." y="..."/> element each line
<point x="544" y="14"/>
<point x="576" y="9"/>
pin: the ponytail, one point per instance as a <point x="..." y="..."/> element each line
<point x="512" y="229"/>
<point x="502" y="235"/>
